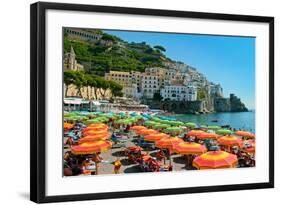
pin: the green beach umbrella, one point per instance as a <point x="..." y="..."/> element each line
<point x="190" y="124"/>
<point x="213" y="127"/>
<point x="224" y="132"/>
<point x="92" y="121"/>
<point x="161" y="126"/>
<point x="173" y="130"/>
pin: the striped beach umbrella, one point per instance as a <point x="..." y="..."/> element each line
<point x="245" y="134"/>
<point x="230" y="141"/>
<point x="155" y="137"/>
<point x="189" y="148"/>
<point x="91" y="147"/>
<point x="207" y="136"/>
<point x="215" y="160"/>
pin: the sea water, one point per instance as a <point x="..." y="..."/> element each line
<point x="237" y="120"/>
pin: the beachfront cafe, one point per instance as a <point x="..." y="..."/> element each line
<point x="80" y="104"/>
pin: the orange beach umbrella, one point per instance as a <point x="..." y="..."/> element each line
<point x="245" y="134"/>
<point x="137" y="128"/>
<point x="230" y="141"/>
<point x="189" y="148"/>
<point x="168" y="142"/>
<point x="215" y="160"/>
<point x="67" y="126"/>
<point x="91" y="147"/>
<point x="207" y="135"/>
<point x="195" y="133"/>
<point x="146" y="132"/>
<point x="155" y="137"/>
<point x="95" y="132"/>
<point x="93" y="138"/>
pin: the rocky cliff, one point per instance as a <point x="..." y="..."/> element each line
<point x="231" y="104"/>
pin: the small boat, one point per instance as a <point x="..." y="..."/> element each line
<point x="214" y="120"/>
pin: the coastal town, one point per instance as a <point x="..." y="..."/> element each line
<point x="161" y="87"/>
<point x="121" y="106"/>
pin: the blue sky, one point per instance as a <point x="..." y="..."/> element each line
<point x="228" y="60"/>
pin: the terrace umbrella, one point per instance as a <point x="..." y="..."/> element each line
<point x="92" y="138"/>
<point x="91" y="148"/>
<point x="136" y="128"/>
<point x="207" y="136"/>
<point x="67" y="126"/>
<point x="146" y="132"/>
<point x="190" y="125"/>
<point x="168" y="143"/>
<point x="224" y="132"/>
<point x="230" y="141"/>
<point x="194" y="133"/>
<point x="155" y="137"/>
<point x="215" y="160"/>
<point x="245" y="134"/>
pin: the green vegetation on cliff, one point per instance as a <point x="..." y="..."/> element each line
<point x="118" y="55"/>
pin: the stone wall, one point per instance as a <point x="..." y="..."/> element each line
<point x="87" y="93"/>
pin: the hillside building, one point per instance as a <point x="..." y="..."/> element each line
<point x="70" y="62"/>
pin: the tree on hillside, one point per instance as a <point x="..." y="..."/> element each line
<point x="160" y="48"/>
<point x="116" y="88"/>
<point x="157" y="96"/>
<point x="201" y="94"/>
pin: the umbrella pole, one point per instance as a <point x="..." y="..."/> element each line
<point x="170" y="158"/>
<point x="96" y="168"/>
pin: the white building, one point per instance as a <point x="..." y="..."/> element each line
<point x="150" y="84"/>
<point x="179" y="93"/>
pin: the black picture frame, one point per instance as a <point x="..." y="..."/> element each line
<point x="38" y="100"/>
